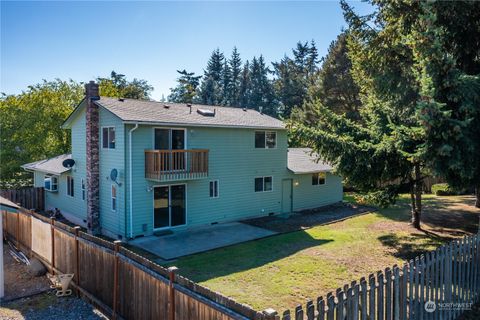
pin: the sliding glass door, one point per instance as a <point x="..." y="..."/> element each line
<point x="172" y="140"/>
<point x="169" y="206"/>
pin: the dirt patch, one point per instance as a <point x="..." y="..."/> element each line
<point x="18" y="282"/>
<point x="308" y="218"/>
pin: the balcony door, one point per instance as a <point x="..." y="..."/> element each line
<point x="172" y="141"/>
<point x="169" y="206"/>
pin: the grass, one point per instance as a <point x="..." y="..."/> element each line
<point x="285" y="270"/>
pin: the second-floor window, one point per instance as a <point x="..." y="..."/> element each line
<point x="70" y="186"/>
<point x="263" y="184"/>
<point x="265" y="139"/>
<point x="108" y="137"/>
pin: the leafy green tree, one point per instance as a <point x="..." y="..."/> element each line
<point x="118" y="86"/>
<point x="333" y="84"/>
<point x="446" y="52"/>
<point x="30" y="125"/>
<point x="186" y="89"/>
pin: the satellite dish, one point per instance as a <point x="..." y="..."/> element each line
<point x="114" y="176"/>
<point x="68" y="163"/>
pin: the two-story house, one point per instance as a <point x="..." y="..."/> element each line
<point x="137" y="167"/>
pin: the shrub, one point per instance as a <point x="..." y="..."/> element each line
<point x="444" y="189"/>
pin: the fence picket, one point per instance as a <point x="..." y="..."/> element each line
<point x="380" y="298"/>
<point x="363" y="299"/>
<point x="371" y="297"/>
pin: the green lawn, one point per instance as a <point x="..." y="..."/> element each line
<point x="285" y="270"/>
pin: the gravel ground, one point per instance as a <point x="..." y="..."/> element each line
<point x="31" y="298"/>
<point x="18" y="282"/>
<point x="47" y="306"/>
<point x="308" y="218"/>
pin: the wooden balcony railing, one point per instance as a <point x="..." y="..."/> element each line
<point x="170" y="165"/>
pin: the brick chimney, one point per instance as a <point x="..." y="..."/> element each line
<point x="93" y="165"/>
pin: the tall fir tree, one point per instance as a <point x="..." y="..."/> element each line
<point x="333" y="84"/>
<point x="262" y="96"/>
<point x="235" y="64"/>
<point x="226" y="84"/>
<point x="245" y="86"/>
<point x="211" y="90"/>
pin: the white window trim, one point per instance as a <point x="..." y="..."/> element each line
<point x="265" y="132"/>
<point x="320" y="184"/>
<point x="218" y="189"/>
<point x="73" y="186"/>
<point x="108" y="134"/>
<point x="51" y="184"/>
<point x="263" y="177"/>
<point x="112" y="197"/>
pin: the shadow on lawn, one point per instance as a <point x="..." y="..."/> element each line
<point x="411" y="246"/>
<point x="454" y="216"/>
<point x="245" y="256"/>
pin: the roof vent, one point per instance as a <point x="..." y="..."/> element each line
<point x="166" y="106"/>
<point x="245" y="109"/>
<point x="121" y="99"/>
<point x="206" y="112"/>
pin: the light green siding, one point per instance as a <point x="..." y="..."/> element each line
<point x="234" y="162"/>
<point x="306" y="195"/>
<point x="112" y="222"/>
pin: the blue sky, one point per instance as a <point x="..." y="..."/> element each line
<point x="151" y="40"/>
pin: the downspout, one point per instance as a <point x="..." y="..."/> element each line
<point x="131" y="176"/>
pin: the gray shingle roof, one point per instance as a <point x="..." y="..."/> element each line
<point x="302" y="160"/>
<point x="53" y="165"/>
<point x="131" y="110"/>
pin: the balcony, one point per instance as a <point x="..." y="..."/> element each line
<point x="175" y="165"/>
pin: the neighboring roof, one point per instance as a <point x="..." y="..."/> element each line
<point x="303" y="160"/>
<point x="52" y="165"/>
<point x="8" y="205"/>
<point x="152" y="112"/>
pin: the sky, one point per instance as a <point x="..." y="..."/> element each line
<point x="151" y="40"/>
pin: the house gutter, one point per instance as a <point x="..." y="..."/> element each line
<point x="131" y="176"/>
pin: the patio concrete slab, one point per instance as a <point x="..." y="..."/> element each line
<point x="195" y="240"/>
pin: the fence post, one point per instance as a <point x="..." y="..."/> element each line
<point x="76" y="230"/>
<point x="171" y="298"/>
<point x="270" y="314"/>
<point x="115" y="279"/>
<point x="52" y="235"/>
<point x="17" y="232"/>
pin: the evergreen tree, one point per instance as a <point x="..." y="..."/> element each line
<point x="186" y="88"/>
<point x="386" y="146"/>
<point x="293" y="76"/>
<point x="447" y="55"/>
<point x="226" y="84"/>
<point x="333" y="84"/>
<point x="211" y="90"/>
<point x="245" y="86"/>
<point x="235" y="64"/>
<point x="262" y="96"/>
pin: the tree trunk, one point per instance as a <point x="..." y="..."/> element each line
<point x="417" y="197"/>
<point x="477" y="197"/>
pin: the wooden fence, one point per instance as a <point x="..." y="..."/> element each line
<point x="121" y="283"/>
<point x="438" y="285"/>
<point x="31" y="198"/>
